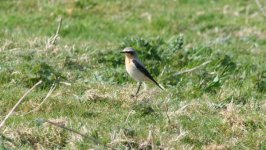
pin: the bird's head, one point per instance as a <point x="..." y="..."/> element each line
<point x="129" y="52"/>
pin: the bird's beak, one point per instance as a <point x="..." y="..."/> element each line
<point x="122" y="52"/>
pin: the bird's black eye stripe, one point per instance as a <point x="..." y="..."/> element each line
<point x="130" y="52"/>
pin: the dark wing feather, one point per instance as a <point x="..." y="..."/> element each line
<point x="146" y="72"/>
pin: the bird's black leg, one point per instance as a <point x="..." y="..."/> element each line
<point x="140" y="83"/>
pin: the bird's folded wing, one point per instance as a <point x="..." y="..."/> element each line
<point x="145" y="72"/>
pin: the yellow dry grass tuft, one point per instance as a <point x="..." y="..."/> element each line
<point x="215" y="147"/>
<point x="46" y="136"/>
<point x="234" y="119"/>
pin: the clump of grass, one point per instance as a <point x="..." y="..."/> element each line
<point x="41" y="71"/>
<point x="44" y="136"/>
<point x="261" y="82"/>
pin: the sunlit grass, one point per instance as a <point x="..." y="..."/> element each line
<point x="218" y="106"/>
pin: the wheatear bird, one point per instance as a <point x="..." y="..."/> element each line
<point x="136" y="69"/>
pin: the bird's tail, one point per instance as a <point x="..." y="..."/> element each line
<point x="160" y="86"/>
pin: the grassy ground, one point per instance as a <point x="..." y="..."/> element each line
<point x="219" y="106"/>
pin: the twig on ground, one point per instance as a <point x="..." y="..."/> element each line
<point x="20" y="101"/>
<point x="72" y="130"/>
<point x="46" y="97"/>
<point x="182" y="133"/>
<point x="128" y="116"/>
<point x="192" y="69"/>
<point x="180" y="110"/>
<point x="263" y="11"/>
<point x="51" y="41"/>
<point x="65" y="83"/>
<point x="247" y="12"/>
<point x="149" y="143"/>
<point x="166" y="112"/>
